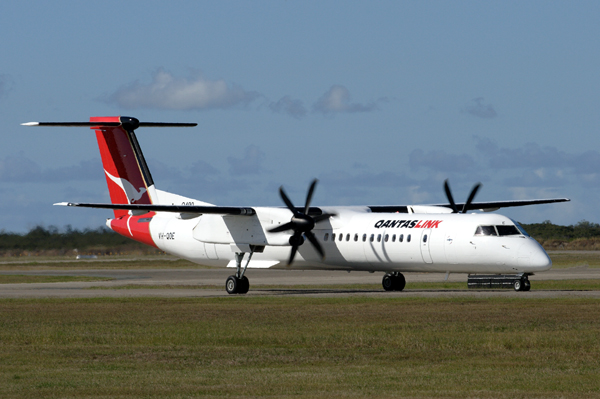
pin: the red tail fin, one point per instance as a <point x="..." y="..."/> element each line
<point x="127" y="175"/>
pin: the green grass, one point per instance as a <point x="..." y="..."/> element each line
<point x="565" y="260"/>
<point x="300" y="347"/>
<point x="20" y="278"/>
<point x="102" y="263"/>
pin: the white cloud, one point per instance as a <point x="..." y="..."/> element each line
<point x="441" y="161"/>
<point x="337" y="100"/>
<point x="19" y="168"/>
<point x="250" y="164"/>
<point x="479" y="109"/>
<point x="168" y="92"/>
<point x="287" y="105"/>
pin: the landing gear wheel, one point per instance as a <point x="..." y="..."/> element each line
<point x="400" y="282"/>
<point x="388" y="282"/>
<point x="526" y="285"/>
<point x="393" y="282"/>
<point x="235" y="285"/>
<point x="518" y="285"/>
<point x="232" y="285"/>
<point x="244" y="285"/>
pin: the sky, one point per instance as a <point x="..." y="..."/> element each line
<point x="380" y="100"/>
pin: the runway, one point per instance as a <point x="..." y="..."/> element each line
<point x="210" y="283"/>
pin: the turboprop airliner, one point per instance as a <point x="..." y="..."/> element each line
<point x="391" y="239"/>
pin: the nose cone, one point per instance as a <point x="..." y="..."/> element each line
<point x="533" y="257"/>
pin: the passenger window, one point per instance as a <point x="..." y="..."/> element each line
<point x="485" y="231"/>
<point x="408" y="238"/>
<point x="326" y="237"/>
<point x="347" y="237"/>
<point x="378" y="237"/>
<point x="372" y="237"/>
<point x="386" y="237"/>
<point x="425" y="238"/>
<point x="401" y="238"/>
<point x="394" y="238"/>
<point x="341" y="237"/>
<point x="364" y="238"/>
<point x="355" y="237"/>
<point x="333" y="237"/>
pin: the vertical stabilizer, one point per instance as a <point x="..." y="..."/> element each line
<point x="127" y="174"/>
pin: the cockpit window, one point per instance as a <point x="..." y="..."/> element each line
<point x="498" y="230"/>
<point x="509" y="230"/>
<point x="521" y="229"/>
<point x="486" y="231"/>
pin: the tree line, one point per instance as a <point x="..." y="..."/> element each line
<point x="55" y="241"/>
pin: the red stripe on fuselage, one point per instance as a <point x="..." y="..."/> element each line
<point x="135" y="227"/>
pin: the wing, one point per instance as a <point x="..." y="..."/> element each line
<point x="189" y="209"/>
<point x="482" y="206"/>
<point x="313" y="211"/>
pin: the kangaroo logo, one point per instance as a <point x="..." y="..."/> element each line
<point x="130" y="191"/>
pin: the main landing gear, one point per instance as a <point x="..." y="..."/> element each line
<point x="238" y="283"/>
<point x="393" y="282"/>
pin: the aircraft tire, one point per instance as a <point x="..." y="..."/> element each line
<point x="518" y="285"/>
<point x="400" y="282"/>
<point x="526" y="285"/>
<point x="244" y="285"/>
<point x="232" y="285"/>
<point x="388" y="282"/>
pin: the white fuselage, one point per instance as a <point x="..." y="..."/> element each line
<point x="356" y="240"/>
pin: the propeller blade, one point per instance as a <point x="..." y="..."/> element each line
<point x="292" y="254"/>
<point x="283" y="227"/>
<point x="287" y="201"/>
<point x="309" y="195"/>
<point x="449" y="196"/>
<point x="313" y="240"/>
<point x="471" y="197"/>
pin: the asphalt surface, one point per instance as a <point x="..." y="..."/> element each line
<point x="264" y="282"/>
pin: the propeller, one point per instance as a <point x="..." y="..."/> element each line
<point x="467" y="204"/>
<point x="301" y="223"/>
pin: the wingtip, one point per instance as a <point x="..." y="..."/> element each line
<point x="30" y="124"/>
<point x="63" y="204"/>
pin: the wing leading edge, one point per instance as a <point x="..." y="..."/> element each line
<point x="475" y="206"/>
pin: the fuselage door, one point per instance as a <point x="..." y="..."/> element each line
<point x="425" y="239"/>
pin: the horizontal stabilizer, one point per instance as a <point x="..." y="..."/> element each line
<point x="132" y="123"/>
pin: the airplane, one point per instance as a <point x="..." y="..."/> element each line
<point x="392" y="239"/>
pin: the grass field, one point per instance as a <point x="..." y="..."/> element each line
<point x="300" y="347"/>
<point x="566" y="259"/>
<point x="28" y="279"/>
<point x="107" y="262"/>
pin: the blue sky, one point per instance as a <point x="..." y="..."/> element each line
<point x="380" y="100"/>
